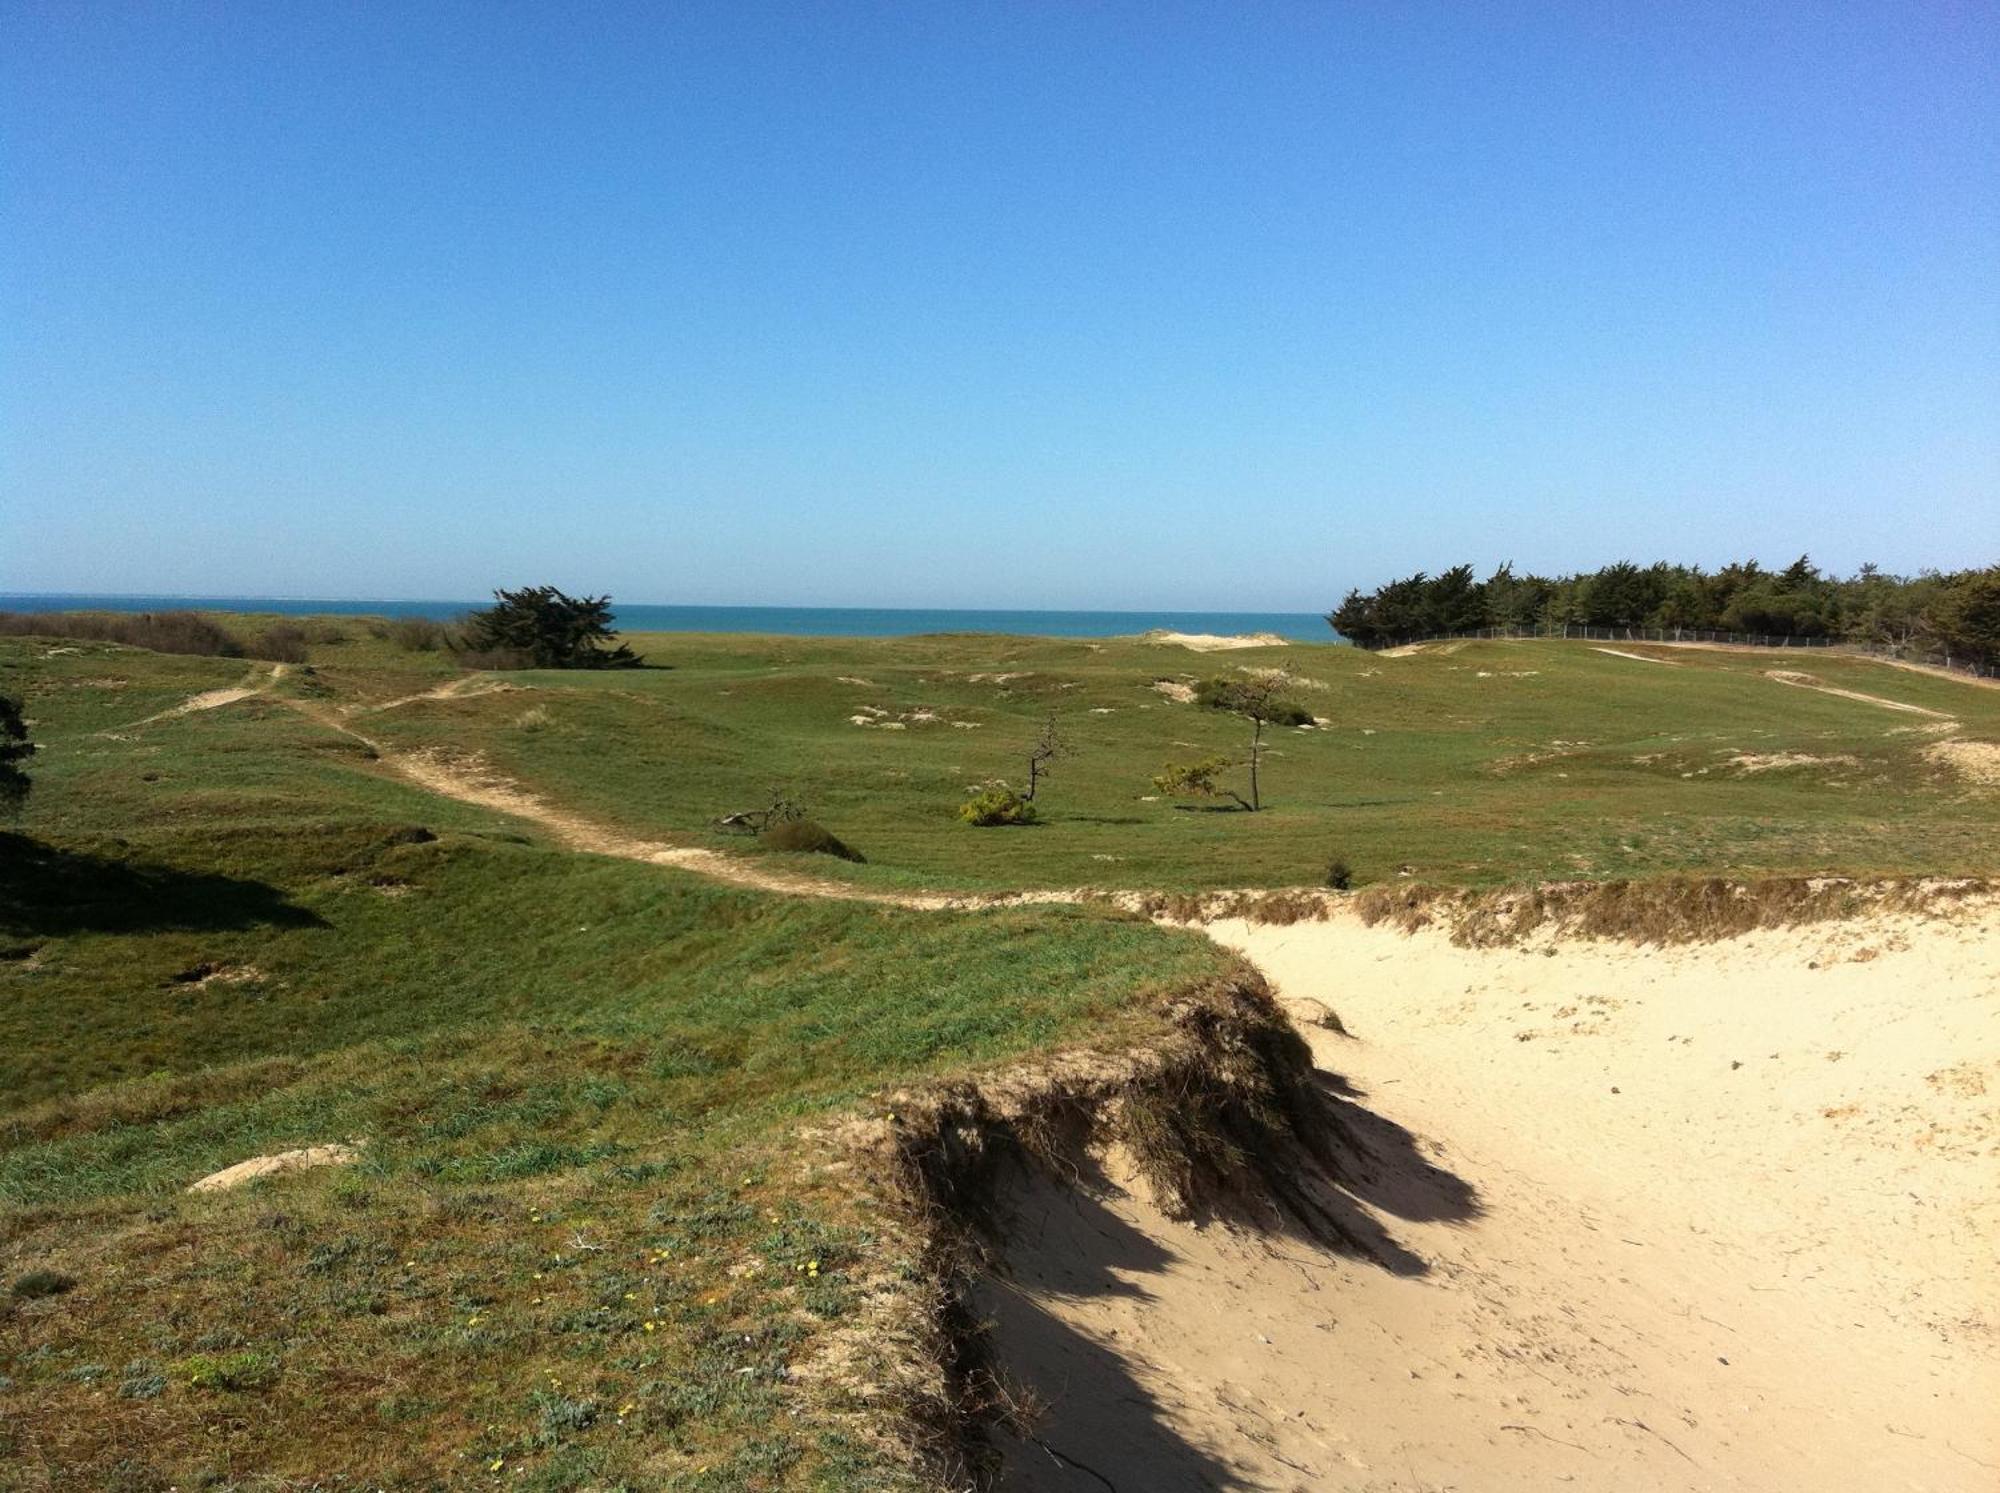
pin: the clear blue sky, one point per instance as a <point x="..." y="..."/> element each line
<point x="1226" y="305"/>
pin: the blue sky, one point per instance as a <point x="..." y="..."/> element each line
<point x="1227" y="305"/>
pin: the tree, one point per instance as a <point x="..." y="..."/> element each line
<point x="1050" y="748"/>
<point x="15" y="749"/>
<point x="1259" y="699"/>
<point x="1198" y="779"/>
<point x="548" y="630"/>
<point x="1965" y="616"/>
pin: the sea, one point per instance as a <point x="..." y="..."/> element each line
<point x="827" y="622"/>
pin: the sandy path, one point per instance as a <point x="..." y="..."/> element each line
<point x="466" y="686"/>
<point x="215" y="699"/>
<point x="1812" y="682"/>
<point x="1644" y="658"/>
<point x="1682" y="1273"/>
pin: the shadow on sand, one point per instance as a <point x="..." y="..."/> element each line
<point x="1091" y="1424"/>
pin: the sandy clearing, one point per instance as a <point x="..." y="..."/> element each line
<point x="1735" y="1213"/>
<point x="1781" y="761"/>
<point x="1209" y="642"/>
<point x="1975" y="761"/>
<point x="276" y="1164"/>
<point x="1813" y="682"/>
<point x="1644" y="658"/>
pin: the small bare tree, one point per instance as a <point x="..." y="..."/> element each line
<point x="1050" y="748"/>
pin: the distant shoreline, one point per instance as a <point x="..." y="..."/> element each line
<point x="871" y="622"/>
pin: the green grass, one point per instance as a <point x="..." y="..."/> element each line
<point x="581" y="1082"/>
<point x="591" y="1238"/>
<point x="1493" y="762"/>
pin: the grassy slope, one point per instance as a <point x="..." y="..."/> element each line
<point x="1493" y="762"/>
<point x="580" y="1081"/>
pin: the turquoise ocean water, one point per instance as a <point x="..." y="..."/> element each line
<point x="835" y="622"/>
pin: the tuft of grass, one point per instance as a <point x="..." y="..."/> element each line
<point x="37" y="1284"/>
<point x="808" y="836"/>
<point x="232" y="1373"/>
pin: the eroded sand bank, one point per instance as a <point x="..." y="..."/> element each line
<point x="1716" y="1216"/>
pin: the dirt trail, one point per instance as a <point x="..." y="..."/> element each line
<point x="256" y="684"/>
<point x="1735" y="1209"/>
<point x="1813" y="682"/>
<point x="468" y="780"/>
<point x="1644" y="658"/>
<point x="466" y="686"/>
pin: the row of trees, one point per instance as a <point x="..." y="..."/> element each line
<point x="1935" y="612"/>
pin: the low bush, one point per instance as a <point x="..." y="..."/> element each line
<point x="809" y="836"/>
<point x="415" y="634"/>
<point x="232" y="1371"/>
<point x="39" y="1283"/>
<point x="162" y="632"/>
<point x="283" y="644"/>
<point x="494" y="658"/>
<point x="997" y="805"/>
<point x="1240" y="697"/>
<point x="1339" y="875"/>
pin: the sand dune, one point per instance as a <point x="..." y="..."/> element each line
<point x="1726" y="1221"/>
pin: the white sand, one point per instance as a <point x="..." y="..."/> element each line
<point x="1210" y="642"/>
<point x="1735" y="1228"/>
<point x="276" y="1165"/>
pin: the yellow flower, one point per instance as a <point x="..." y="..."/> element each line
<point x="496" y="1464"/>
<point x="650" y="1326"/>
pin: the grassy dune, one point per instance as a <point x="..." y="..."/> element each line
<point x="1482" y="763"/>
<point x="586" y="1245"/>
<point x="580" y="1082"/>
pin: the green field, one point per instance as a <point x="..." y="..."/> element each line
<point x="1476" y="763"/>
<point x="583" y="1082"/>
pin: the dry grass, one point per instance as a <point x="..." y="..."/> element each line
<point x="1222" y="1116"/>
<point x="1670" y="911"/>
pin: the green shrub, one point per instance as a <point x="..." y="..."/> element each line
<point x="808" y="835"/>
<point x="1256" y="699"/>
<point x="39" y="1283"/>
<point x="232" y="1371"/>
<point x="1339" y="875"/>
<point x="997" y="805"/>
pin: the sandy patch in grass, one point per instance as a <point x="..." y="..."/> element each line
<point x="1975" y="761"/>
<point x="1779" y="761"/>
<point x="1813" y="682"/>
<point x="274" y="1165"/>
<point x="1210" y="642"/>
<point x="1735" y="1212"/>
<point x="1174" y="689"/>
